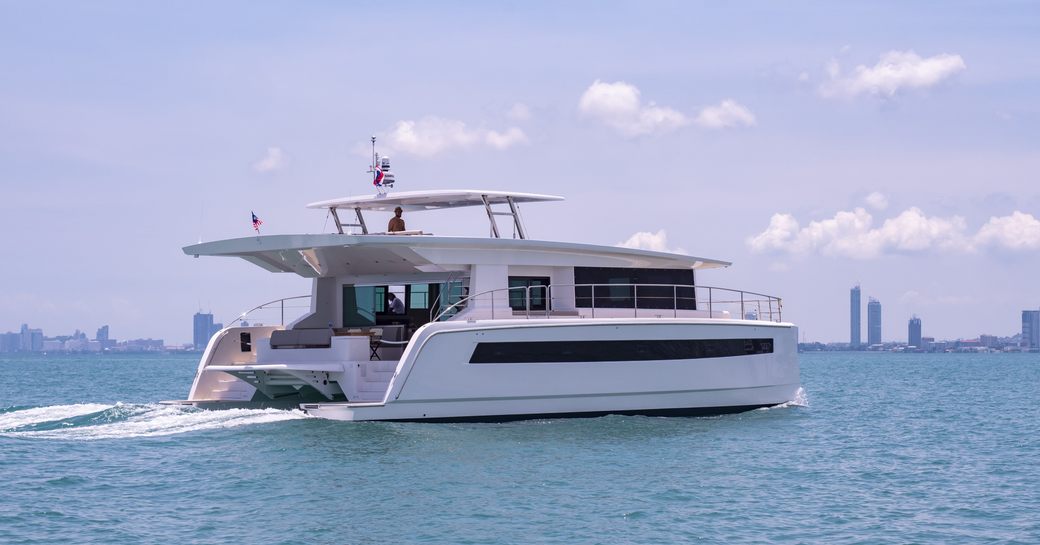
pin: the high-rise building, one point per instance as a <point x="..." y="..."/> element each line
<point x="30" y="340"/>
<point x="203" y="330"/>
<point x="914" y="332"/>
<point x="873" y="321"/>
<point x="9" y="342"/>
<point x="102" y="333"/>
<point x="1031" y="329"/>
<point x="854" y="319"/>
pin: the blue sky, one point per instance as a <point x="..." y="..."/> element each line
<point x="814" y="144"/>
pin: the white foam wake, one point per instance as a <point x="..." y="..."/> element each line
<point x="28" y="417"/>
<point x="801" y="399"/>
<point x="130" y="421"/>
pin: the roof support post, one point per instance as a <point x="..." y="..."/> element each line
<point x="491" y="216"/>
<point x="516" y="216"/>
<point x="361" y="220"/>
<point x="335" y="216"/>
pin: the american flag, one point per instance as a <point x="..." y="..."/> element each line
<point x="256" y="222"/>
<point x="377" y="179"/>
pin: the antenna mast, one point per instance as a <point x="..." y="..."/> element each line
<point x="375" y="156"/>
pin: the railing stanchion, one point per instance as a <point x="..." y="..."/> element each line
<point x="710" y="314"/>
<point x="635" y="300"/>
<point x="675" y="301"/>
<point x="771" y="309"/>
<point x="283" y="311"/>
<point x="527" y="300"/>
<point x="592" y="294"/>
<point x="548" y="301"/>
<point x="742" y="315"/>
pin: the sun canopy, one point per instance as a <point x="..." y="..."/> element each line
<point x="414" y="201"/>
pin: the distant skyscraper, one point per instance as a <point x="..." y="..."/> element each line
<point x="9" y="342"/>
<point x="203" y="327"/>
<point x="1031" y="329"/>
<point x="30" y="340"/>
<point x="914" y="332"/>
<point x="854" y="320"/>
<point x="873" y="321"/>
<point x="102" y="334"/>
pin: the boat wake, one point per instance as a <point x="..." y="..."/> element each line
<point x="92" y="421"/>
<point x="801" y="399"/>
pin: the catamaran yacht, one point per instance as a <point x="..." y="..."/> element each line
<point x="492" y="328"/>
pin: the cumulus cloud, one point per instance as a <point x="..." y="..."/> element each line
<point x="519" y="112"/>
<point x="854" y="234"/>
<point x="1019" y="231"/>
<point x="877" y="201"/>
<point x="727" y="114"/>
<point x="619" y="105"/>
<point x="433" y="135"/>
<point x="645" y="240"/>
<point x="505" y="140"/>
<point x="274" y="159"/>
<point x="894" y="71"/>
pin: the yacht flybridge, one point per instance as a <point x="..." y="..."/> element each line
<point x="492" y="328"/>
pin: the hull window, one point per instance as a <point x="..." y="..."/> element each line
<point x="599" y="351"/>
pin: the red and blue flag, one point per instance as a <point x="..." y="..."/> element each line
<point x="377" y="179"/>
<point x="256" y="222"/>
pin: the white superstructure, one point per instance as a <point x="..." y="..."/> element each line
<point x="494" y="328"/>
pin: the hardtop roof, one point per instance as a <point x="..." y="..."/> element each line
<point x="414" y="201"/>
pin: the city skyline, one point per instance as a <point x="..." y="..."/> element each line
<point x="892" y="144"/>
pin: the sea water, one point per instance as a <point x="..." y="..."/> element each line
<point x="883" y="448"/>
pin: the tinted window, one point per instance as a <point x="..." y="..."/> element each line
<point x="663" y="297"/>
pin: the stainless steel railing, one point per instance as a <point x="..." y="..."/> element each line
<point x="276" y="305"/>
<point x="657" y="300"/>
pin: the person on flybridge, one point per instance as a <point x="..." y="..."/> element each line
<point x="396" y="223"/>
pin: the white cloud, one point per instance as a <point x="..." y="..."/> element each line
<point x="727" y="114"/>
<point x="894" y="71"/>
<point x="519" y="112"/>
<point x="853" y="234"/>
<point x="804" y="76"/>
<point x="1019" y="231"/>
<point x="877" y="201"/>
<point x="618" y="105"/>
<point x="433" y="135"/>
<point x="274" y="159"/>
<point x="645" y="240"/>
<point x="505" y="140"/>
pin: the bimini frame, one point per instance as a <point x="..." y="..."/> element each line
<point x="414" y="201"/>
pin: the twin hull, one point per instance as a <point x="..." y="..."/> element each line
<point x="517" y="369"/>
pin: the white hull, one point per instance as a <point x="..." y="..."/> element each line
<point x="540" y="368"/>
<point x="435" y="379"/>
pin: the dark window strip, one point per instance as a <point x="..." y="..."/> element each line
<point x="634" y="350"/>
